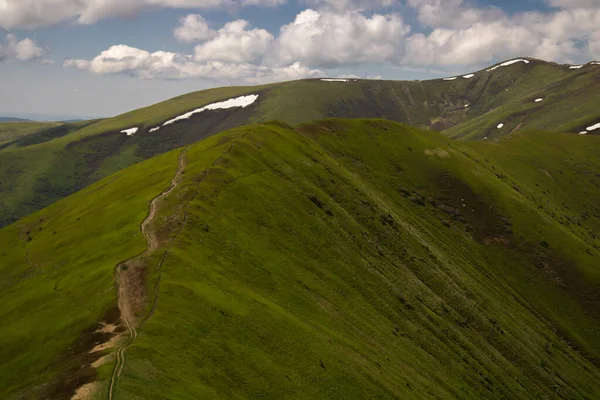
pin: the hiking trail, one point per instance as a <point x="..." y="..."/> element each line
<point x="125" y="297"/>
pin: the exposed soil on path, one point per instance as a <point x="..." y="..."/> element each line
<point x="130" y="276"/>
<point x="130" y="280"/>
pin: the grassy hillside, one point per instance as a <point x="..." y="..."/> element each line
<point x="340" y="259"/>
<point x="568" y="105"/>
<point x="56" y="165"/>
<point x="10" y="131"/>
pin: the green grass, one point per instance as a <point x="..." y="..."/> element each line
<point x="325" y="261"/>
<point x="569" y="105"/>
<point x="365" y="294"/>
<point x="10" y="131"/>
<point x="55" y="163"/>
<point x="56" y="273"/>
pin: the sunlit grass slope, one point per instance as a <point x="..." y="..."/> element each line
<point x="14" y="130"/>
<point x="365" y="259"/>
<point x="56" y="278"/>
<point x="52" y="164"/>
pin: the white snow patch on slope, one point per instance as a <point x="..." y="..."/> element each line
<point x="507" y="63"/>
<point x="154" y="129"/>
<point x="595" y="62"/>
<point x="466" y="105"/>
<point x="583" y="133"/>
<point x="450" y="79"/>
<point x="538" y="100"/>
<point x="593" y="127"/>
<point x="335" y="80"/>
<point x="500" y="126"/>
<point x="242" y="101"/>
<point x="468" y="76"/>
<point x="130" y="131"/>
<point x="575" y="66"/>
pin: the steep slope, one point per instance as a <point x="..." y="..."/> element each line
<point x="12" y="130"/>
<point x="568" y="104"/>
<point x="469" y="106"/>
<point x="340" y="259"/>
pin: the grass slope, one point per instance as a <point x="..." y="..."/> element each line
<point x="340" y="259"/>
<point x="43" y="171"/>
<point x="10" y="131"/>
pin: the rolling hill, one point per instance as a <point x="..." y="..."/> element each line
<point x="11" y="131"/>
<point x="55" y="163"/>
<point x="335" y="259"/>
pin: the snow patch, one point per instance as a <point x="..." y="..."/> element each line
<point x="450" y="79"/>
<point x="335" y="80"/>
<point x="538" y="100"/>
<point x="468" y="76"/>
<point x="575" y="66"/>
<point x="242" y="101"/>
<point x="130" y="131"/>
<point x="593" y="127"/>
<point x="583" y="133"/>
<point x="500" y="126"/>
<point x="154" y="129"/>
<point x="466" y="105"/>
<point x="595" y="62"/>
<point x="507" y="63"/>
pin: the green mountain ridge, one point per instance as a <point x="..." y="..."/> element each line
<point x="40" y="170"/>
<point x="335" y="259"/>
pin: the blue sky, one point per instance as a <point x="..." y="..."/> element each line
<point x="73" y="58"/>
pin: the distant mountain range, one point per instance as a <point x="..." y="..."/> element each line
<point x="11" y="119"/>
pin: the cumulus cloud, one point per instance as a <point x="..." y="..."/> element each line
<point x="21" y="50"/>
<point x="235" y="43"/>
<point x="122" y="59"/>
<point x="193" y="28"/>
<point x="454" y="34"/>
<point x="453" y="13"/>
<point x="326" y="39"/>
<point x="562" y="36"/>
<point x="350" y="5"/>
<point x="573" y="3"/>
<point x="29" y="14"/>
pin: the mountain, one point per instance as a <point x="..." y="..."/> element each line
<point x="11" y="119"/>
<point x="15" y="130"/>
<point x="471" y="106"/>
<point x="335" y="259"/>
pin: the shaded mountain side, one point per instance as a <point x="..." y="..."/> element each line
<point x="62" y="160"/>
<point x="12" y="119"/>
<point x="11" y="131"/>
<point x="353" y="259"/>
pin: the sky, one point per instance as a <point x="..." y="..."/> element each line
<point x="63" y="59"/>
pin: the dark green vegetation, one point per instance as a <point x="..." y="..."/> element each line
<point x="50" y="166"/>
<point x="339" y="259"/>
<point x="13" y="130"/>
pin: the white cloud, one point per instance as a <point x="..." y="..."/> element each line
<point x="458" y="35"/>
<point x="193" y="28"/>
<point x="235" y="43"/>
<point x="573" y="3"/>
<point x="323" y="38"/>
<point x="29" y="14"/>
<point x="21" y="50"/>
<point x="121" y="59"/>
<point x="453" y="13"/>
<point x="463" y="35"/>
<point x="350" y="5"/>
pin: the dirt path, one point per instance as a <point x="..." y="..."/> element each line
<point x="127" y="296"/>
<point x="125" y="293"/>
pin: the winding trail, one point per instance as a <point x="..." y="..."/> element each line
<point x="152" y="243"/>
